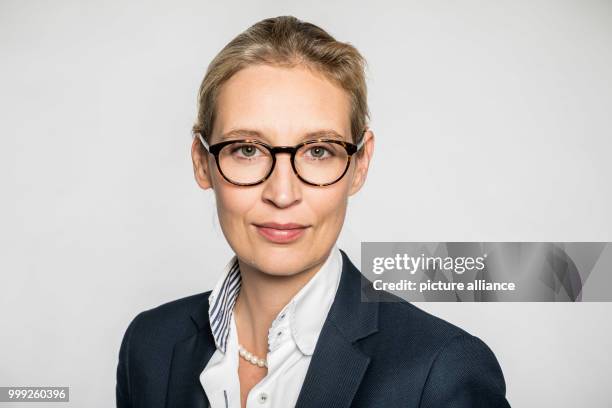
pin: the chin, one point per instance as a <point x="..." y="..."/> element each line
<point x="280" y="266"/>
<point x="281" y="260"/>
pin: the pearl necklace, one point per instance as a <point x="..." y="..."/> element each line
<point x="248" y="356"/>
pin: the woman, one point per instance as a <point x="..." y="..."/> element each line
<point x="282" y="140"/>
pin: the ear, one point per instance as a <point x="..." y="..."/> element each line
<point x="201" y="164"/>
<point x="362" y="160"/>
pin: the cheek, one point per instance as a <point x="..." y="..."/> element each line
<point x="233" y="204"/>
<point x="330" y="206"/>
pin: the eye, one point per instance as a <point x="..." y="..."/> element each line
<point x="245" y="150"/>
<point x="320" y="151"/>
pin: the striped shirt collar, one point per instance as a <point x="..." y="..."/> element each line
<point x="306" y="325"/>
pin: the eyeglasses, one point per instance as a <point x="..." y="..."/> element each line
<point x="248" y="162"/>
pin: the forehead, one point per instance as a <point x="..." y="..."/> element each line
<point x="283" y="104"/>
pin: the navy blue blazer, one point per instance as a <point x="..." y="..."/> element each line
<point x="369" y="354"/>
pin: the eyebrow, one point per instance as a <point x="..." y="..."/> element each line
<point x="248" y="133"/>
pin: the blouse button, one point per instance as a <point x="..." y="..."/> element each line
<point x="263" y="397"/>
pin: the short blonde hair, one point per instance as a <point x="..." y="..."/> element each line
<point x="286" y="41"/>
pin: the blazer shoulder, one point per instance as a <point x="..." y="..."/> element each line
<point x="146" y="349"/>
<point x="400" y="321"/>
<point x="404" y="327"/>
<point x="403" y="318"/>
<point x="428" y="339"/>
<point x="446" y="359"/>
<point x="167" y="323"/>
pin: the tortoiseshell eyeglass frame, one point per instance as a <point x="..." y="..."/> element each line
<point x="350" y="148"/>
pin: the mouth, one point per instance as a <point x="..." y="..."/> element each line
<point x="281" y="233"/>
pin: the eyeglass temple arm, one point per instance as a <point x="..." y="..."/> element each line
<point x="360" y="144"/>
<point x="206" y="146"/>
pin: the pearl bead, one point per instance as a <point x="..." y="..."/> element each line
<point x="250" y="357"/>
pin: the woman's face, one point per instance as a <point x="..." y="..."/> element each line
<point x="283" y="104"/>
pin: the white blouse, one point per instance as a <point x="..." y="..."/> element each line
<point x="291" y="339"/>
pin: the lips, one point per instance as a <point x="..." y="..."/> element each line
<point x="281" y="233"/>
<point x="275" y="225"/>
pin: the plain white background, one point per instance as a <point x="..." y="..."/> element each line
<point x="492" y="122"/>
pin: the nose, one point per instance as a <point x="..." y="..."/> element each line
<point x="282" y="189"/>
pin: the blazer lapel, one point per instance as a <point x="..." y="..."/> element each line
<point x="189" y="358"/>
<point x="337" y="366"/>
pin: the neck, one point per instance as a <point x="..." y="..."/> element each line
<point x="261" y="298"/>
